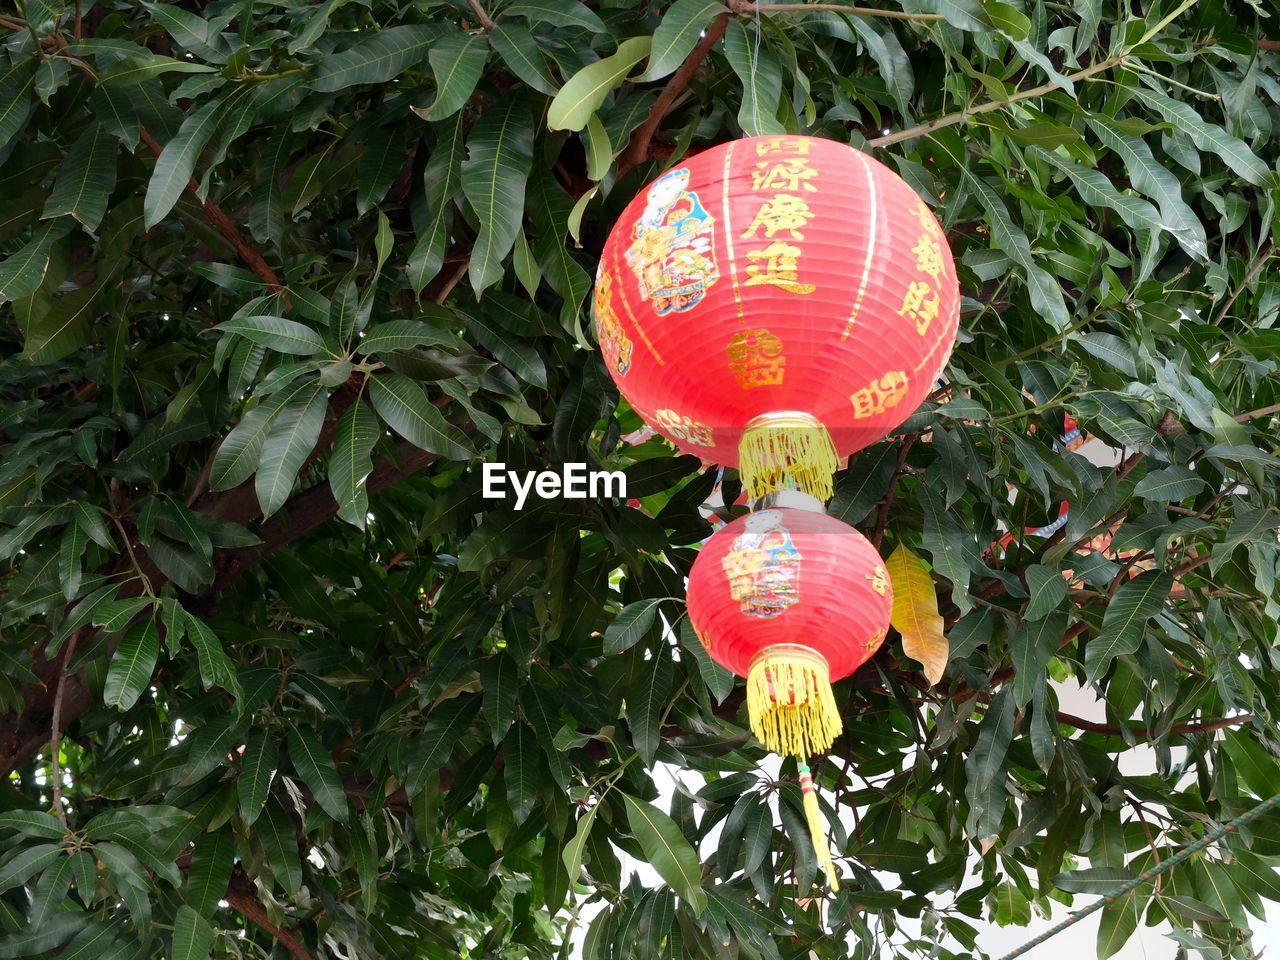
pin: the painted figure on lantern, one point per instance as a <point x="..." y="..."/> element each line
<point x="615" y="345"/>
<point x="763" y="566"/>
<point x="671" y="251"/>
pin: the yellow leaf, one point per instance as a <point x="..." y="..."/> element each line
<point x="915" y="612"/>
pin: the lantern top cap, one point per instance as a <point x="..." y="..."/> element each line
<point x="791" y="500"/>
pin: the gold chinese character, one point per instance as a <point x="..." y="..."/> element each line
<point x="921" y="212"/>
<point x="755" y="357"/>
<point x="783" y="212"/>
<point x="679" y="427"/>
<point x="921" y="304"/>
<point x="879" y="395"/>
<point x="879" y="580"/>
<point x="928" y="256"/>
<point x="768" y="145"/>
<point x="792" y="173"/>
<point x="777" y="264"/>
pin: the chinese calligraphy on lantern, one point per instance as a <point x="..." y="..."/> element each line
<point x="921" y="303"/>
<point x="879" y="580"/>
<point x="679" y="427"/>
<point x="879" y="395"/>
<point x="615" y="345"/>
<point x="755" y="357"/>
<point x="783" y="177"/>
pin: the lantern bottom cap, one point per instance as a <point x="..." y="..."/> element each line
<point x="787" y="450"/>
<point x="790" y="702"/>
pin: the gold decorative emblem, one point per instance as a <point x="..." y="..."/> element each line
<point x="755" y="357"/>
<point x="879" y="395"/>
<point x="763" y="566"/>
<point x="615" y="345"/>
<point x="672" y="252"/>
<point x="679" y="427"/>
<point x="879" y="580"/>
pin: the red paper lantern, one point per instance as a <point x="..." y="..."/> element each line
<point x="776" y="303"/>
<point x="792" y="600"/>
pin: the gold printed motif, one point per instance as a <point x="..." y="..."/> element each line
<point x="921" y="305"/>
<point x="783" y="212"/>
<point x="769" y="145"/>
<point x="929" y="256"/>
<point x="755" y="357"/>
<point x="672" y="250"/>
<point x="679" y="427"/>
<point x="615" y="345"/>
<point x="778" y="265"/>
<point x="879" y="580"/>
<point x="879" y="395"/>
<point x="763" y="566"/>
<point x="791" y="173"/>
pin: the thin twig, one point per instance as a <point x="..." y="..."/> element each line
<point x="638" y="149"/>
<point x="453" y="281"/>
<point x="1182" y="729"/>
<point x="1255" y="414"/>
<point x="1151" y="840"/>
<point x="240" y="896"/>
<point x="886" y="504"/>
<point x="1249" y="277"/>
<point x="55" y="740"/>
<point x="486" y="22"/>
<point x="750" y="9"/>
<point x="951" y="119"/>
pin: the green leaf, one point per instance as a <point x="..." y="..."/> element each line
<point x="519" y="51"/>
<point x="177" y="161"/>
<point x="1253" y="763"/>
<point x="718" y="680"/>
<point x="211" y="862"/>
<point x="446" y="723"/>
<point x="677" y="35"/>
<point x="457" y="60"/>
<point x="761" y="80"/>
<point x="32" y="823"/>
<point x="1048" y="588"/>
<point x="647" y="702"/>
<point x="85" y="179"/>
<point x="216" y="669"/>
<point x="947" y="542"/>
<point x="280" y="844"/>
<point x="986" y="768"/>
<point x="405" y="408"/>
<point x="1097" y="190"/>
<point x="586" y="90"/>
<point x="1008" y="19"/>
<point x="561" y="13"/>
<point x="1104" y="880"/>
<point x="494" y="177"/>
<point x="401" y="335"/>
<point x="315" y="767"/>
<point x="1032" y="646"/>
<point x="499" y="680"/>
<point x="376" y="59"/>
<point x="442" y="179"/>
<point x="1171" y="484"/>
<point x="22" y="272"/>
<point x="383" y="156"/>
<point x="351" y="463"/>
<point x="277" y="333"/>
<point x="26" y="863"/>
<point x="192" y="935"/>
<point x="630" y="625"/>
<point x="293" y="436"/>
<point x="576" y="847"/>
<point x="521" y="755"/>
<point x="132" y="666"/>
<point x="1125" y="620"/>
<point x="50" y="892"/>
<point x="257" y="768"/>
<point x="667" y="851"/>
<point x="1207" y="136"/>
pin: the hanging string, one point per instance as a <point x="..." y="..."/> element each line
<point x="1210" y="838"/>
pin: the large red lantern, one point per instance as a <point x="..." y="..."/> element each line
<point x="791" y="599"/>
<point x="776" y="303"/>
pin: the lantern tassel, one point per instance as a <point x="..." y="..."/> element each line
<point x="817" y="827"/>
<point x="781" y="451"/>
<point x="790" y="702"/>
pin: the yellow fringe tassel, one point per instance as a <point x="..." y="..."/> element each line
<point x="781" y="451"/>
<point x="790" y="702"/>
<point x="817" y="827"/>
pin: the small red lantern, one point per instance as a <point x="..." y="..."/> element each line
<point x="791" y="599"/>
<point x="777" y="303"/>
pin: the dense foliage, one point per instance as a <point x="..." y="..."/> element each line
<point x="323" y="699"/>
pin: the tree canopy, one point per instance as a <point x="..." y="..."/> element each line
<point x="277" y="278"/>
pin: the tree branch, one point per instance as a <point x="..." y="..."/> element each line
<point x="241" y="897"/>
<point x="638" y="149"/>
<point x="1182" y="729"/>
<point x="748" y="9"/>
